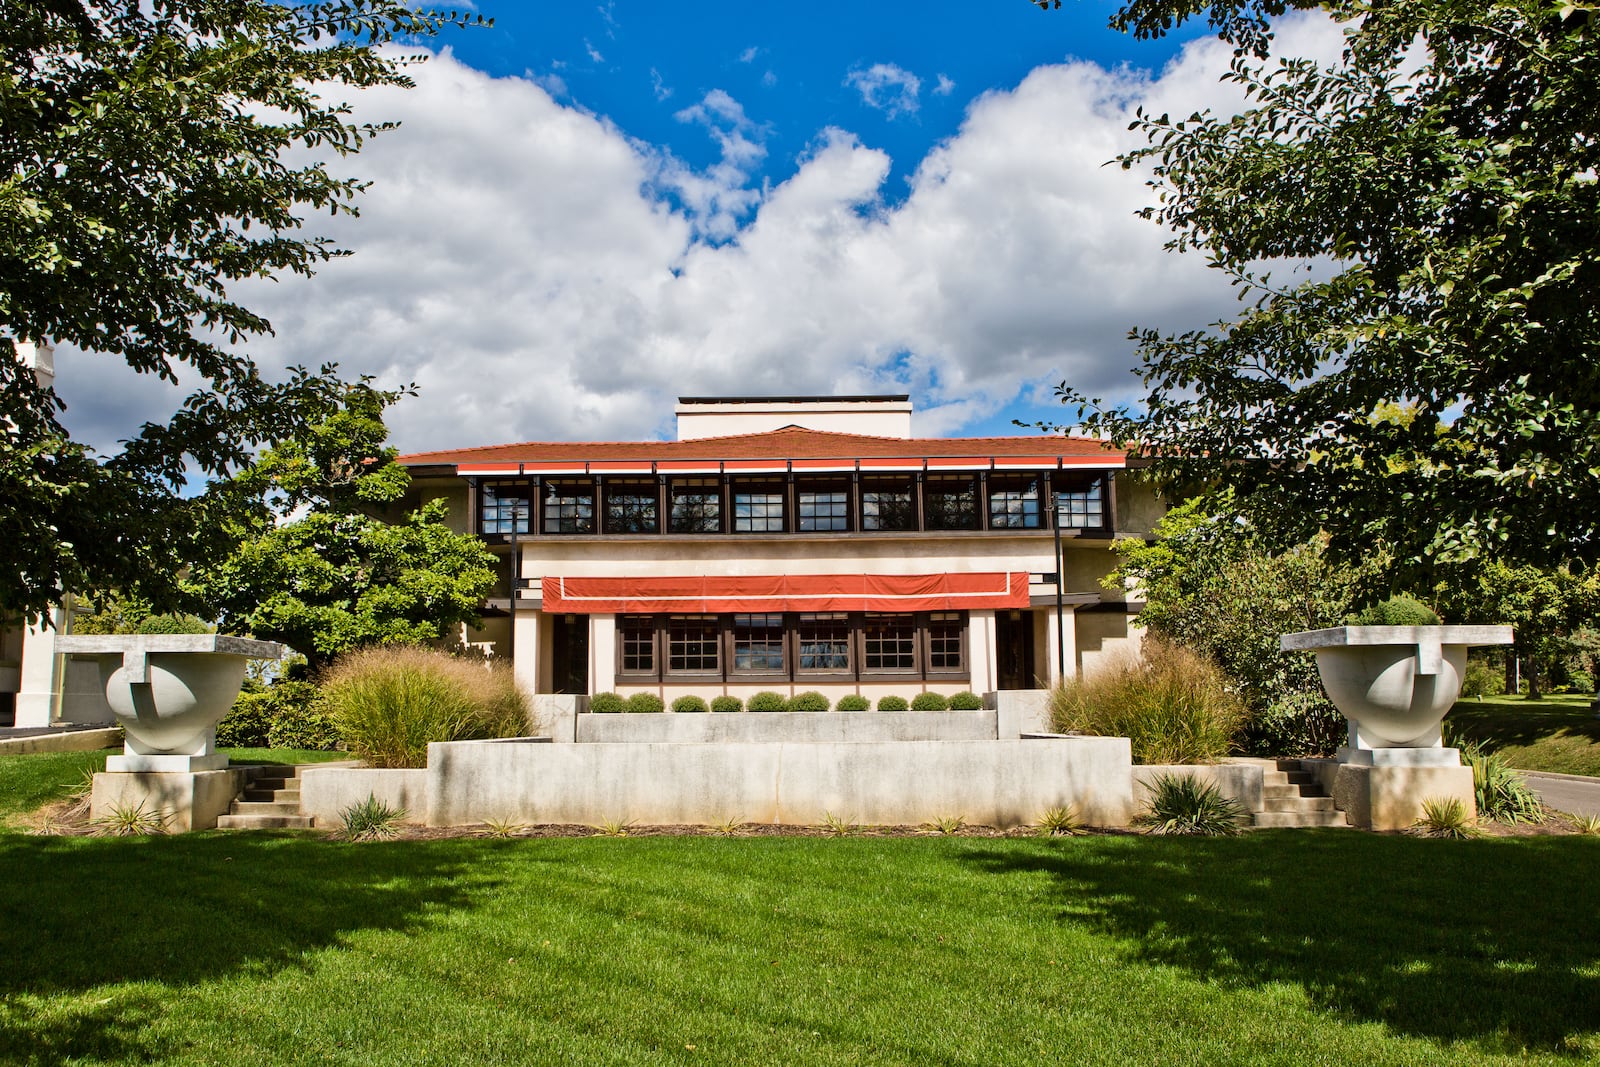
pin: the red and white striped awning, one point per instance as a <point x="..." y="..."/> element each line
<point x="786" y="592"/>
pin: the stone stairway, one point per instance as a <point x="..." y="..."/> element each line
<point x="1291" y="796"/>
<point x="271" y="801"/>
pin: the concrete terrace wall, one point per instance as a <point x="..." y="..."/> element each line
<point x="327" y="791"/>
<point x="1001" y="783"/>
<point x="792" y="726"/>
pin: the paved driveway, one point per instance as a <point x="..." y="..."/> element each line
<point x="1566" y="792"/>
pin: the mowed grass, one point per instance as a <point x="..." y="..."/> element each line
<point x="1282" y="947"/>
<point x="1557" y="733"/>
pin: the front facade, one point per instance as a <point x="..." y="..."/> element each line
<point x="793" y="544"/>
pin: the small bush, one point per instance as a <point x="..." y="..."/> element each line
<point x="768" y="701"/>
<point x="391" y="703"/>
<point x="172" y="624"/>
<point x="893" y="703"/>
<point x="1060" y="822"/>
<point x="131" y="820"/>
<point x="1299" y="724"/>
<point x="1173" y="705"/>
<point x="1444" y="817"/>
<point x="304" y="725"/>
<point x="1502" y="794"/>
<point x="1399" y="610"/>
<point x="809" y="701"/>
<point x="854" y="702"/>
<point x="646" y="704"/>
<point x="727" y="705"/>
<point x="930" y="702"/>
<point x="370" y="820"/>
<point x="966" y="701"/>
<point x="1480" y="680"/>
<point x="1182" y="804"/>
<point x="607" y="704"/>
<point x="247" y="722"/>
<point x="685" y="705"/>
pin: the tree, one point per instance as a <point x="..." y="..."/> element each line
<point x="1545" y="608"/>
<point x="1413" y="234"/>
<point x="148" y="159"/>
<point x="340" y="574"/>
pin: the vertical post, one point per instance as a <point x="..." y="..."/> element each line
<point x="1061" y="633"/>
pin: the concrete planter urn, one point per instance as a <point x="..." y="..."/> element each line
<point x="1394" y="684"/>
<point x="169" y="691"/>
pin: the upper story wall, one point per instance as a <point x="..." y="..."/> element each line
<point x="874" y="416"/>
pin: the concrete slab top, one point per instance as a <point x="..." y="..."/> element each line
<point x="118" y="644"/>
<point x="1344" y="636"/>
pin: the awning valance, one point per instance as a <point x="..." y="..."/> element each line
<point x="786" y="592"/>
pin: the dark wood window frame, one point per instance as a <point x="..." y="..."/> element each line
<point x="563" y="511"/>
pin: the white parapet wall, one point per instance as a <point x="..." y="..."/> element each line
<point x="998" y="783"/>
<point x="796" y="726"/>
<point x="325" y="792"/>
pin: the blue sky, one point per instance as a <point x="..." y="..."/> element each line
<point x="589" y="210"/>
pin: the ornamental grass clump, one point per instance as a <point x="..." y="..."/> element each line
<point x="1444" y="817"/>
<point x="390" y="703"/>
<point x="1502" y="794"/>
<point x="1173" y="705"/>
<point x="1182" y="804"/>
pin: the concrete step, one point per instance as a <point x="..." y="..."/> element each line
<point x="1267" y="819"/>
<point x="1292" y="791"/>
<point x="248" y="807"/>
<point x="264" y="822"/>
<point x="1298" y="803"/>
<point x="282" y="796"/>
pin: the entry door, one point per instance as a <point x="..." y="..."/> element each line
<point x="569" y="660"/>
<point x="1014" y="650"/>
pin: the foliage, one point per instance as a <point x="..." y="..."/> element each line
<point x="304" y="724"/>
<point x="945" y="825"/>
<point x="966" y="701"/>
<point x="1501" y="793"/>
<point x="854" y="702"/>
<point x="809" y="701"/>
<point x="131" y="820"/>
<point x="767" y="701"/>
<point x="247" y="722"/>
<point x="687" y="704"/>
<point x="371" y="820"/>
<point x="1479" y="680"/>
<point x="893" y="703"/>
<point x="607" y="704"/>
<point x="1211" y="584"/>
<point x="154" y="155"/>
<point x="726" y="704"/>
<point x="1400" y="610"/>
<point x="837" y="826"/>
<point x="1444" y="817"/>
<point x="1587" y="825"/>
<point x="1182" y="804"/>
<point x="645" y="704"/>
<point x="1172" y="704"/>
<point x="1060" y="822"/>
<point x="286" y="714"/>
<point x="929" y="701"/>
<point x="1547" y="608"/>
<point x="615" y="827"/>
<point x="1410" y="231"/>
<point x="390" y="703"/>
<point x="503" y="828"/>
<point x="116" y="613"/>
<point x="343" y="573"/>
<point x="173" y="624"/>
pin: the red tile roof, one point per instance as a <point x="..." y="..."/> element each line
<point x="788" y="443"/>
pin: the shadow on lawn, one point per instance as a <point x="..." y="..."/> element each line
<point x="1512" y="723"/>
<point x="88" y="912"/>
<point x="1493" y="942"/>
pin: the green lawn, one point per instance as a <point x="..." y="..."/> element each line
<point x="1282" y="947"/>
<point x="1556" y="733"/>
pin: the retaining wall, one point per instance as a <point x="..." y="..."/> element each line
<point x="327" y="791"/>
<point x="795" y="726"/>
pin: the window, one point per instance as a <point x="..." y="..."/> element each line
<point x="692" y="644"/>
<point x="568" y="506"/>
<point x="503" y="508"/>
<point x="758" y="644"/>
<point x="889" y="643"/>
<point x="696" y="505"/>
<point x="1014" y="502"/>
<point x="823" y="505"/>
<point x="631" y="505"/>
<point x="888" y="504"/>
<point x="757" y="507"/>
<point x="1080" y="505"/>
<point x="946" y="638"/>
<point x="636" y="644"/>
<point x="951" y="501"/>
<point x="824" y="642"/>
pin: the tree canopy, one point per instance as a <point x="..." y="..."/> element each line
<point x="1412" y="232"/>
<point x="152" y="154"/>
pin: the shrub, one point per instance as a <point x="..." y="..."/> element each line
<point x="854" y="702"/>
<point x="389" y="703"/>
<point x="370" y="820"/>
<point x="646" y="704"/>
<point x="930" y="702"/>
<point x="1444" y="817"/>
<point x="1480" y="680"/>
<point x="1182" y="804"/>
<point x="1173" y="705"/>
<point x="1298" y="724"/>
<point x="966" y="701"/>
<point x="172" y="624"/>
<point x="809" y="701"/>
<point x="607" y="704"/>
<point x="304" y="725"/>
<point x="247" y="722"/>
<point x="893" y="703"/>
<point x="727" y="704"/>
<point x="287" y="714"/>
<point x="1502" y="794"/>
<point x="767" y="701"/>
<point x="1399" y="610"/>
<point x="131" y="820"/>
<point x="1060" y="822"/>
<point x="687" y="704"/>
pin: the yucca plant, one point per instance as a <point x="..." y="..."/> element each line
<point x="370" y="820"/>
<point x="1588" y="825"/>
<point x="503" y="828"/>
<point x="733" y="826"/>
<point x="131" y="820"/>
<point x="836" y="826"/>
<point x="1501" y="793"/>
<point x="614" y="827"/>
<point x="1444" y="817"/>
<point x="1182" y="804"/>
<point x="945" y="824"/>
<point x="1060" y="822"/>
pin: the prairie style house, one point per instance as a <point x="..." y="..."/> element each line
<point x="796" y="543"/>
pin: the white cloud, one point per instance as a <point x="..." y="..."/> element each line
<point x="542" y="276"/>
<point x="945" y="87"/>
<point x="658" y="85"/>
<point x="594" y="53"/>
<point x="887" y="88"/>
<point x="749" y="54"/>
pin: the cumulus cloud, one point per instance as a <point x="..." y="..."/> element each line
<point x="945" y="87"/>
<point x="887" y="88"/>
<point x="540" y="275"/>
